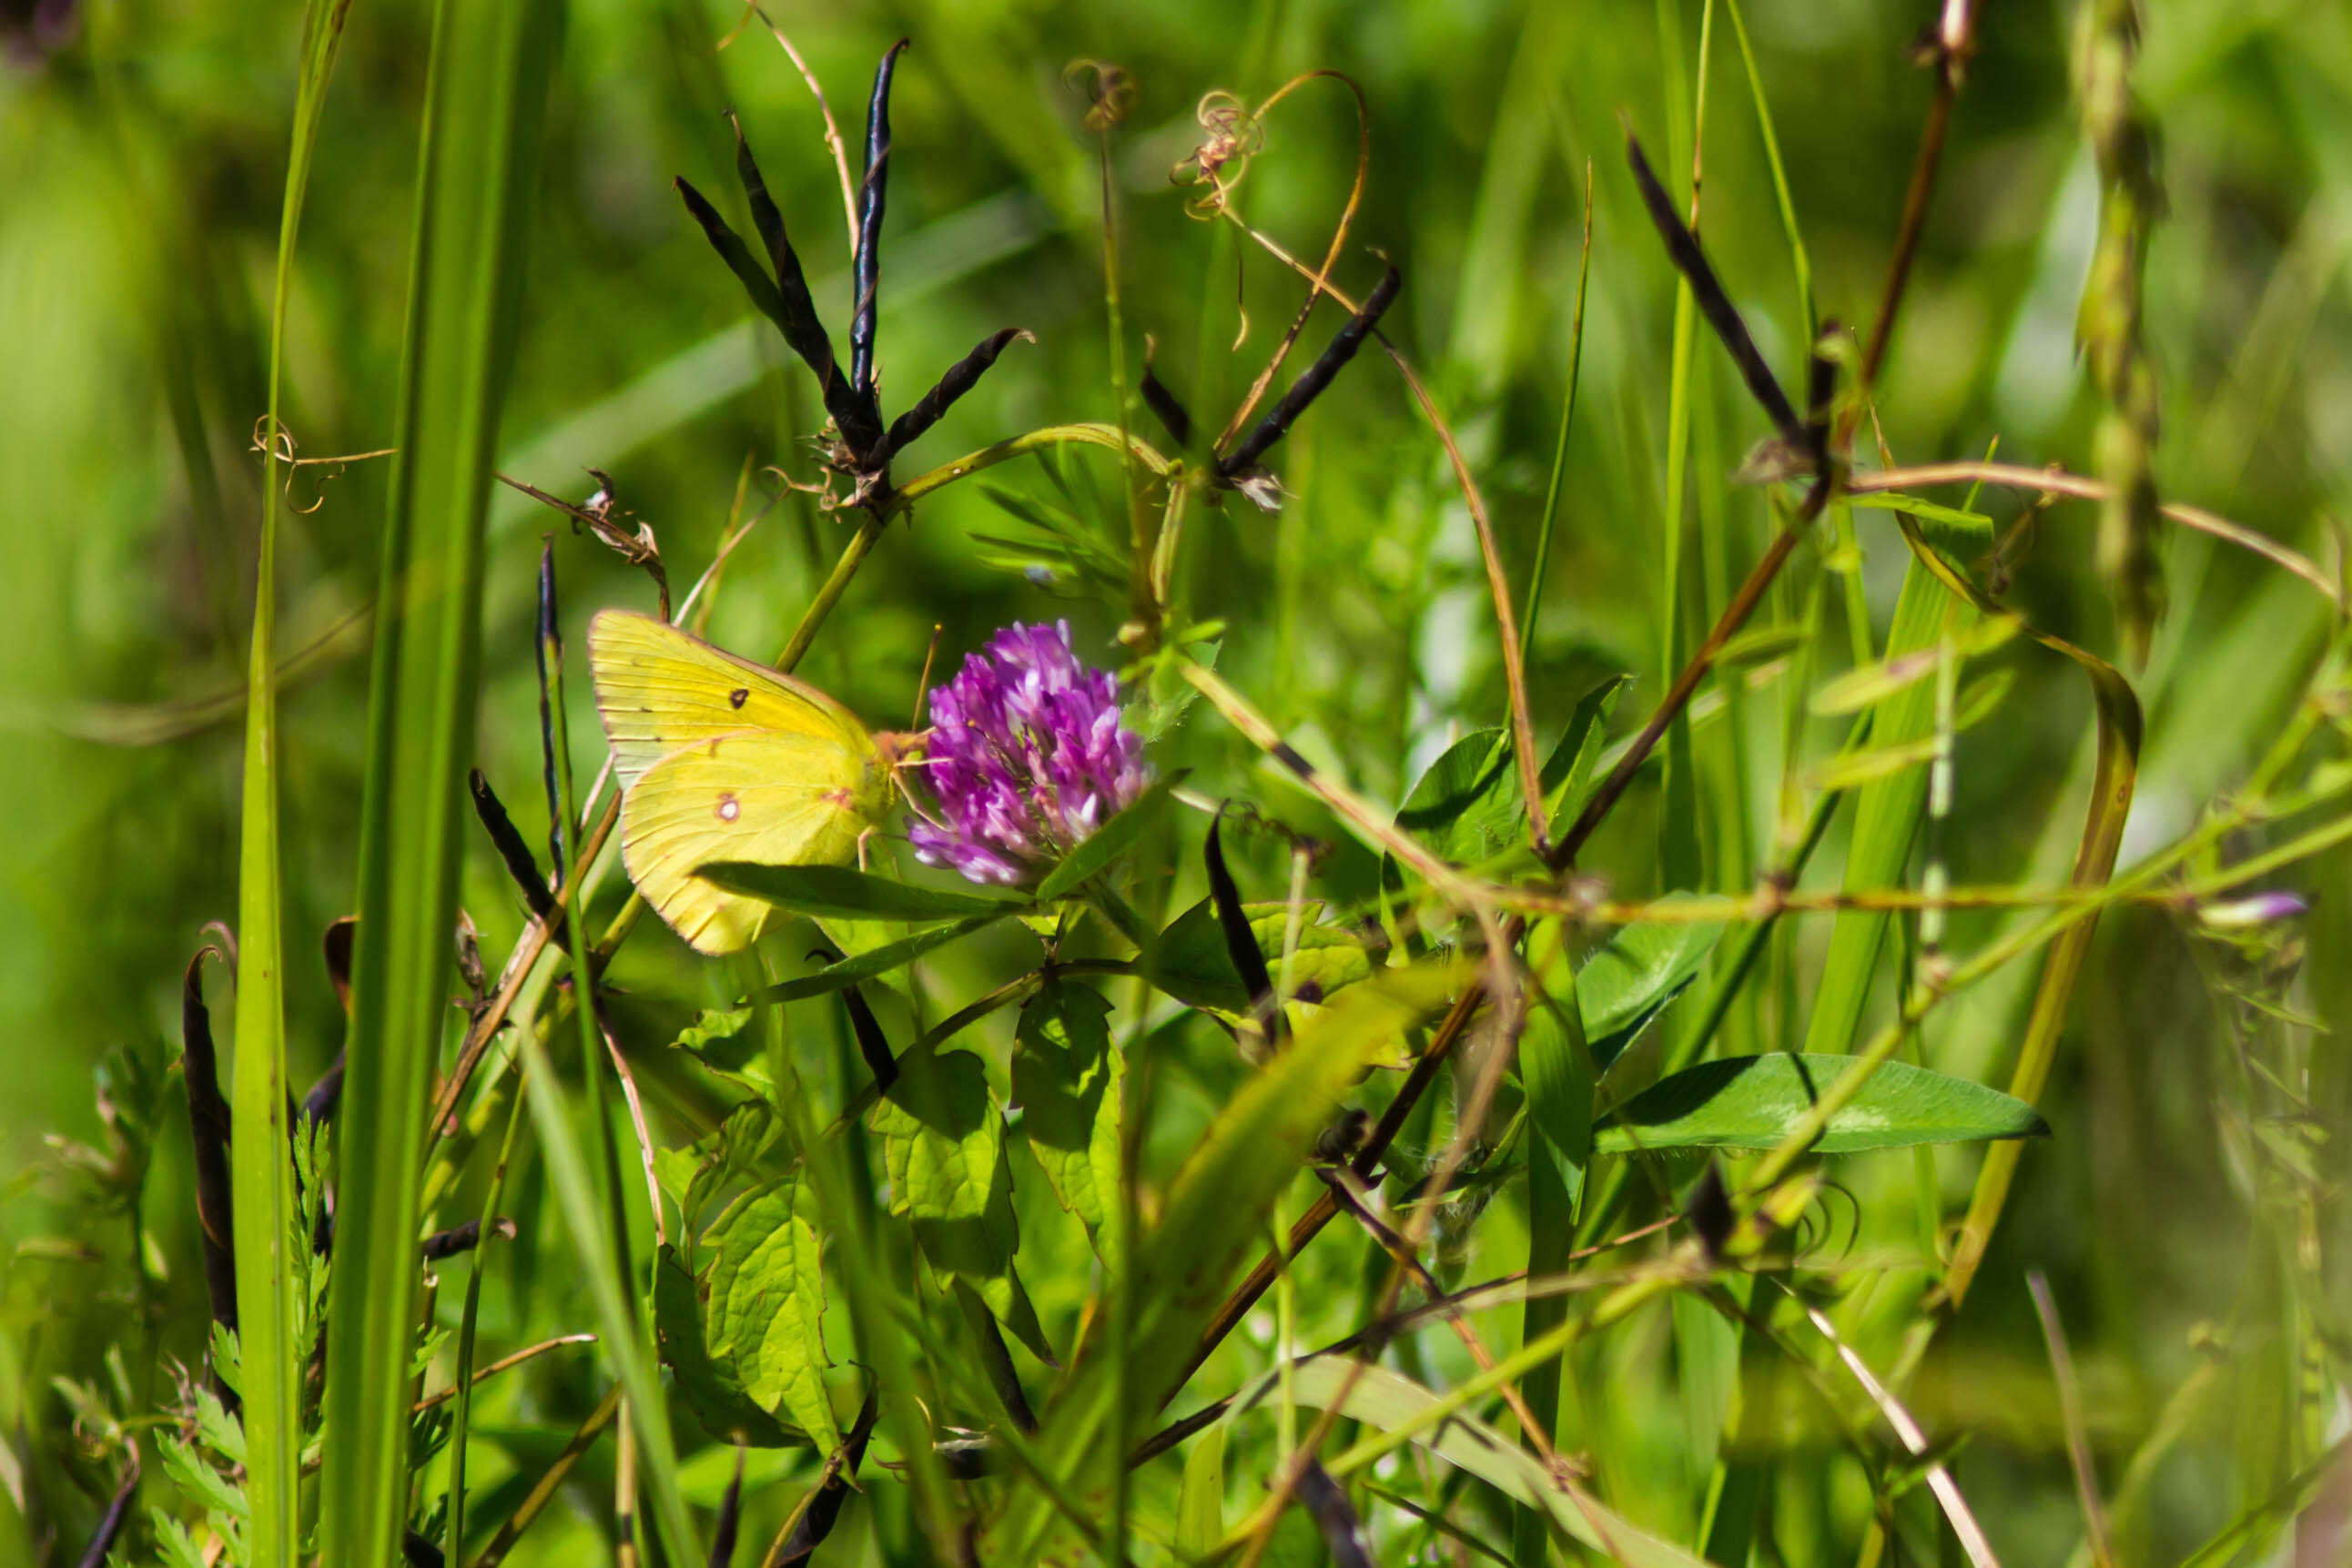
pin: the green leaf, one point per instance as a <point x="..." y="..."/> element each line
<point x="1630" y="981"/>
<point x="1066" y="1078"/>
<point x="1568" y="774"/>
<point x="1465" y="805"/>
<point x="943" y="1146"/>
<point x="1556" y="1069"/>
<point x="486" y="100"/>
<point x="1105" y="845"/>
<point x="1215" y="1211"/>
<point x="720" y="1038"/>
<point x="1201" y="1505"/>
<point x="839" y="892"/>
<point x="713" y="1391"/>
<point x="1750" y="1102"/>
<point x="879" y="960"/>
<point x="1193" y="966"/>
<point x="767" y="1298"/>
<point x="1975" y="524"/>
<point x="1892" y="794"/>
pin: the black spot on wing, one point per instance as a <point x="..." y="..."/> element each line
<point x="739" y="696"/>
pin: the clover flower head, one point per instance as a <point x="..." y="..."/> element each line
<point x="1026" y="758"/>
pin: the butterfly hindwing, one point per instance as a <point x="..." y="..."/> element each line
<point x="660" y="690"/>
<point x="722" y="759"/>
<point x="761" y="796"/>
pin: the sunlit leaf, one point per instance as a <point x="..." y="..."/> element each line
<point x="711" y="1390"/>
<point x="943" y="1145"/>
<point x="766" y="1297"/>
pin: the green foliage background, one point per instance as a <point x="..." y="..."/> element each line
<point x="140" y="169"/>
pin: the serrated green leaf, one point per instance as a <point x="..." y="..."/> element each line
<point x="199" y="1480"/>
<point x="1750" y="1102"/>
<point x="838" y="891"/>
<point x="1066" y="1078"/>
<point x="943" y="1147"/>
<point x="712" y="1390"/>
<point x="1193" y="966"/>
<point x="172" y="1537"/>
<point x="766" y="1302"/>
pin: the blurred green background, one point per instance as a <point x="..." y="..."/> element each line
<point x="142" y="156"/>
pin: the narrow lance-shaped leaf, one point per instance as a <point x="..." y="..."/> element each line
<point x="960" y="378"/>
<point x="838" y="892"/>
<point x="871" y="1042"/>
<point x="875" y="961"/>
<point x="872" y="194"/>
<point x="1241" y="943"/>
<point x="1166" y="407"/>
<point x="1706" y="290"/>
<point x="508" y="840"/>
<point x="730" y="1515"/>
<point x="1343" y="1529"/>
<point x="489" y="72"/>
<point x="208" y="1125"/>
<point x="1751" y="1101"/>
<point x="550" y="637"/>
<point x="795" y="312"/>
<point x="824" y="1504"/>
<point x="1315" y="378"/>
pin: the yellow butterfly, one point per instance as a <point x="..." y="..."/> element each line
<point x="719" y="758"/>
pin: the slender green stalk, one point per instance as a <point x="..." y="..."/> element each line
<point x="262" y="1198"/>
<point x="1567" y="424"/>
<point x="490" y="65"/>
<point x="461" y="1418"/>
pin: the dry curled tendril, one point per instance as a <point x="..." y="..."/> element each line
<point x="1110" y="89"/>
<point x="1234" y="135"/>
<point x="276" y="444"/>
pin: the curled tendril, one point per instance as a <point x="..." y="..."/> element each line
<point x="1234" y="134"/>
<point x="1110" y="89"/>
<point x="277" y="445"/>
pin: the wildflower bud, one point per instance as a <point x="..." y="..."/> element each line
<point x="2261" y="909"/>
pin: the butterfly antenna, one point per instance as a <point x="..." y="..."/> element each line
<point x="923" y="686"/>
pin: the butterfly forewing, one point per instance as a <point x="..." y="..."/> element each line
<point x="661" y="690"/>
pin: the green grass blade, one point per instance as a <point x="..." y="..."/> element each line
<point x="263" y="1197"/>
<point x="490" y="65"/>
<point x="1555" y="1064"/>
<point x="1887" y="816"/>
<point x="1567" y="424"/>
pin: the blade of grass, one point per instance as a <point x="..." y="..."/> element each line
<point x="1567" y="424"/>
<point x="262" y="1198"/>
<point x="1887" y="816"/>
<point x="486" y="101"/>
